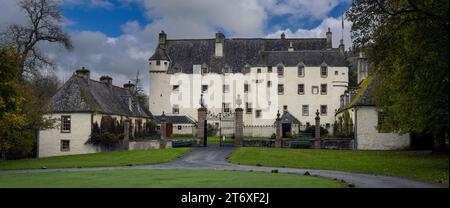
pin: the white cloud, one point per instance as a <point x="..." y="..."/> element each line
<point x="121" y="57"/>
<point x="335" y="25"/>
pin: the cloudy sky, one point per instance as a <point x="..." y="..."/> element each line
<point x="116" y="37"/>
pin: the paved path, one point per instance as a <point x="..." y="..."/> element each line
<point x="215" y="157"/>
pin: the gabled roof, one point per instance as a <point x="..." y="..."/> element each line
<point x="175" y="119"/>
<point x="238" y="52"/>
<point x="81" y="95"/>
<point x="364" y="97"/>
<point x="289" y="118"/>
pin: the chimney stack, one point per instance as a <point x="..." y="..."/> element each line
<point x="84" y="73"/>
<point x="329" y="39"/>
<point x="162" y="39"/>
<point x="106" y="80"/>
<point x="220" y="39"/>
<point x="129" y="86"/>
<point x="342" y="47"/>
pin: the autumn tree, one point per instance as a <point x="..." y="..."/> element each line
<point x="407" y="41"/>
<point x="12" y="119"/>
<point x="44" y="24"/>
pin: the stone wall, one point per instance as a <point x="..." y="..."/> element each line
<point x="145" y="145"/>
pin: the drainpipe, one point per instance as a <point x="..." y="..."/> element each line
<point x="355" y="143"/>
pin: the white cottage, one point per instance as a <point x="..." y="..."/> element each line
<point x="364" y="116"/>
<point x="80" y="105"/>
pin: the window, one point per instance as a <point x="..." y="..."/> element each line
<point x="246" y="87"/>
<point x="204" y="88"/>
<point x="280" y="71"/>
<point x="258" y="70"/>
<point x="226" y="88"/>
<point x="323" y="71"/>
<point x="258" y="113"/>
<point x="323" y="89"/>
<point x="65" y="124"/>
<point x="176" y="109"/>
<point x="301" y="71"/>
<point x="226" y="107"/>
<point x="158" y="127"/>
<point x="248" y="108"/>
<point x="65" y="145"/>
<point x="179" y="127"/>
<point x="305" y="110"/>
<point x="269" y="69"/>
<point x="158" y="62"/>
<point x="176" y="88"/>
<point x="204" y="70"/>
<point x="301" y="89"/>
<point x="323" y="110"/>
<point x="381" y="117"/>
<point x="285" y="107"/>
<point x="165" y="63"/>
<point x="269" y="83"/>
<point x="308" y="124"/>
<point x="336" y="73"/>
<point x="315" y="90"/>
<point x="280" y="89"/>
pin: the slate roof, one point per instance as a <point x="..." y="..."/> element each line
<point x="175" y="119"/>
<point x="239" y="52"/>
<point x="81" y="95"/>
<point x="287" y="117"/>
<point x="364" y="96"/>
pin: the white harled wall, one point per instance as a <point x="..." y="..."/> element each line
<point x="50" y="139"/>
<point x="368" y="137"/>
<point x="337" y="82"/>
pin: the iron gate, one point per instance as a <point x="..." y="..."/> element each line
<point x="225" y="122"/>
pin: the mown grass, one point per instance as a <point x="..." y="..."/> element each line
<point x="103" y="159"/>
<point x="163" y="179"/>
<point x="420" y="165"/>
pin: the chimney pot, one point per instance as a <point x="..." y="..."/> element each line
<point x="106" y="80"/>
<point x="83" y="72"/>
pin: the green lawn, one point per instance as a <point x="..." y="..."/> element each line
<point x="409" y="164"/>
<point x="163" y="178"/>
<point x="102" y="159"/>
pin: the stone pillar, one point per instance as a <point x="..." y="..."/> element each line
<point x="126" y="133"/>
<point x="279" y="131"/>
<point x="317" y="131"/>
<point x="201" y="124"/>
<point x="238" y="127"/>
<point x="163" y="126"/>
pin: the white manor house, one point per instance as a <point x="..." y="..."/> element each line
<point x="295" y="76"/>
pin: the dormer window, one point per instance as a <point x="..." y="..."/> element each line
<point x="323" y="71"/>
<point x="280" y="71"/>
<point x="204" y="70"/>
<point x="301" y="71"/>
<point x="269" y="69"/>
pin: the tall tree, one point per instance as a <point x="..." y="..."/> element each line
<point x="407" y="41"/>
<point x="11" y="101"/>
<point x="44" y="22"/>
